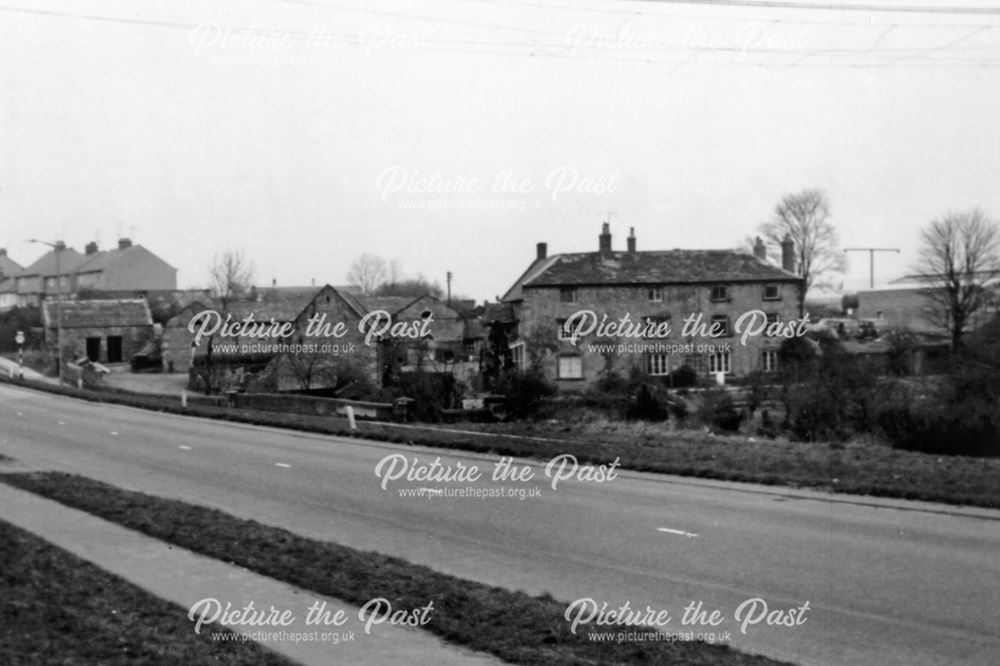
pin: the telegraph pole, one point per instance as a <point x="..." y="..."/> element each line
<point x="871" y="259"/>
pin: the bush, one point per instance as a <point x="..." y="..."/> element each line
<point x="432" y="392"/>
<point x="525" y="391"/>
<point x="959" y="416"/>
<point x="683" y="377"/>
<point x="717" y="410"/>
<point x="649" y="403"/>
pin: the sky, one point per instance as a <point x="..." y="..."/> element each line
<point x="454" y="136"/>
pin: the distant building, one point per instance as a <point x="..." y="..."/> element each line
<point x="908" y="303"/>
<point x="105" y="331"/>
<point x="9" y="269"/>
<point x="128" y="271"/>
<point x="650" y="287"/>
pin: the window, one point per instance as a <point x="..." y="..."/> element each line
<point x="655" y="326"/>
<point x="772" y="318"/>
<point x="655" y="294"/>
<point x="570" y="367"/>
<point x="720" y="326"/>
<point x="658" y="364"/>
<point x="562" y="333"/>
<point x="720" y="293"/>
<point x="517" y="355"/>
<point x="721" y="362"/>
<point x="769" y="359"/>
<point x="426" y="314"/>
<point x="771" y="292"/>
<point x="567" y="294"/>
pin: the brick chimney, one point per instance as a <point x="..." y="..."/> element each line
<point x="60" y="245"/>
<point x="124" y="243"/>
<point x="3" y="252"/>
<point x="542" y="249"/>
<point x="631" y="240"/>
<point x="760" y="250"/>
<point x="604" y="240"/>
<point x="788" y="254"/>
<point x="90" y="248"/>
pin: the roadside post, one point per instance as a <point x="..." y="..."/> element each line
<point x="19" y="339"/>
<point x="350" y="418"/>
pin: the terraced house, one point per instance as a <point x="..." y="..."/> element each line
<point x="654" y="288"/>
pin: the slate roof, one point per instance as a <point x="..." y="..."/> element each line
<point x="69" y="261"/>
<point x="99" y="313"/>
<point x="498" y="313"/>
<point x="655" y="267"/>
<point x="8" y="267"/>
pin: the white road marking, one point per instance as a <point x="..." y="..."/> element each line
<point x="62" y="423"/>
<point x="184" y="448"/>
<point x="690" y="535"/>
<point x="281" y="465"/>
<point x="114" y="433"/>
<point x="20" y="414"/>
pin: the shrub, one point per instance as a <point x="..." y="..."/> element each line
<point x="525" y="390"/>
<point x="717" y="410"/>
<point x="649" y="403"/>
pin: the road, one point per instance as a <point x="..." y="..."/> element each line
<point x="886" y="582"/>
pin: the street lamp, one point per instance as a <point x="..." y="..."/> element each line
<point x="58" y="247"/>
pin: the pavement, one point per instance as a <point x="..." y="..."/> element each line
<point x="186" y="578"/>
<point x="12" y="370"/>
<point x="888" y="581"/>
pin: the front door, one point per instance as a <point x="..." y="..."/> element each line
<point x="114" y="349"/>
<point x="94" y="349"/>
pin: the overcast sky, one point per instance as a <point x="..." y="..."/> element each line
<point x="305" y="133"/>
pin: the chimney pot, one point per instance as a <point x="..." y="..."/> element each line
<point x="631" y="239"/>
<point x="604" y="240"/>
<point x="124" y="243"/>
<point x="543" y="250"/>
<point x="788" y="254"/>
<point x="760" y="250"/>
<point x="91" y="248"/>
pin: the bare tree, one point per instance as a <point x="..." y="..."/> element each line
<point x="368" y="272"/>
<point x="395" y="271"/>
<point x="960" y="254"/>
<point x="804" y="217"/>
<point x="231" y="275"/>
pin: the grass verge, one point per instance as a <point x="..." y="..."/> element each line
<point x="861" y="469"/>
<point x="514" y="626"/>
<point x="60" y="609"/>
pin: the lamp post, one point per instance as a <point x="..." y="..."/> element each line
<point x="58" y="247"/>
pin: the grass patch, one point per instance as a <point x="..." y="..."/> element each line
<point x="60" y="609"/>
<point x="860" y="468"/>
<point x="514" y="626"/>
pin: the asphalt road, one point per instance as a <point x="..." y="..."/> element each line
<point x="886" y="582"/>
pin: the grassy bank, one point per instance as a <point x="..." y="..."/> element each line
<point x="857" y="468"/>
<point x="60" y="609"/>
<point x="514" y="626"/>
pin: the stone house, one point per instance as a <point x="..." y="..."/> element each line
<point x="105" y="331"/>
<point x="651" y="292"/>
<point x="318" y="355"/>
